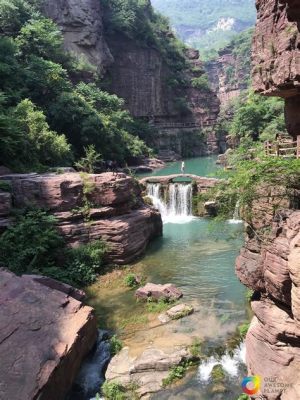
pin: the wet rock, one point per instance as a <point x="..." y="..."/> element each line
<point x="156" y="292"/>
<point x="180" y="311"/>
<point x="211" y="208"/>
<point x="147" y="371"/>
<point x="45" y="335"/>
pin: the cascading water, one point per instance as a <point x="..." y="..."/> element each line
<point x="236" y="215"/>
<point x="179" y="205"/>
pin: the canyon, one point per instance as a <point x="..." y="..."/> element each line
<point x="141" y="75"/>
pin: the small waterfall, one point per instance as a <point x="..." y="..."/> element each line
<point x="230" y="363"/>
<point x="179" y="205"/>
<point x="236" y="219"/>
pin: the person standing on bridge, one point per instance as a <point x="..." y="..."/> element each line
<point x="182" y="167"/>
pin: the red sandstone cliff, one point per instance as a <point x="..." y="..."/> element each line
<point x="118" y="214"/>
<point x="276" y="56"/>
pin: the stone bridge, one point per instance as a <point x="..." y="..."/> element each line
<point x="203" y="183"/>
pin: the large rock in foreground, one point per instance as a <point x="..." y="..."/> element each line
<point x="104" y="206"/>
<point x="44" y="336"/>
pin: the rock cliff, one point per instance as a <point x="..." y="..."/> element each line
<point x="229" y="73"/>
<point x="140" y="74"/>
<point x="276" y="56"/>
<point x="82" y="28"/>
<point x="115" y="213"/>
<point x="269" y="265"/>
<point x="45" y="333"/>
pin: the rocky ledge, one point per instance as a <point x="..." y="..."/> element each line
<point x="105" y="206"/>
<point x="269" y="264"/>
<point x="45" y="333"/>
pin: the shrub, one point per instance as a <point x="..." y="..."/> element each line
<point x="175" y="373"/>
<point x="31" y="244"/>
<point x="130" y="280"/>
<point x="243" y="329"/>
<point x="115" y="345"/>
<point x="201" y="83"/>
<point x="90" y="160"/>
<point x="195" y="347"/>
<point x="113" y="391"/>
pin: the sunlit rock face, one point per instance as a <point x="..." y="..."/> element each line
<point x="269" y="263"/>
<point x="118" y="216"/>
<point x="276" y="55"/>
<point x="45" y="334"/>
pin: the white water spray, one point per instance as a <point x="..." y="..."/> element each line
<point x="230" y="364"/>
<point x="179" y="206"/>
<point x="236" y="219"/>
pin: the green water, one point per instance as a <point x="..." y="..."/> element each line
<point x="197" y="256"/>
<point x="202" y="166"/>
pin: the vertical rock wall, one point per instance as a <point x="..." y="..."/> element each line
<point x="276" y="55"/>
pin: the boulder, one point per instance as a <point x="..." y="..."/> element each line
<point x="155" y="292"/>
<point x="45" y="334"/>
<point x="180" y="311"/>
<point x="147" y="371"/>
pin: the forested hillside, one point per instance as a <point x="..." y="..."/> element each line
<point x="208" y="24"/>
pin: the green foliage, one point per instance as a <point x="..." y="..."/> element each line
<point x="158" y="307"/>
<point x="243" y="329"/>
<point x="113" y="391"/>
<point x="201" y="83"/>
<point x="196" y="347"/>
<point x="243" y="397"/>
<point x="37" y="94"/>
<point x="175" y="373"/>
<point x="31" y="244"/>
<point x="45" y="147"/>
<point x="257" y="117"/>
<point x="249" y="294"/>
<point x="130" y="280"/>
<point x="90" y="160"/>
<point x="115" y="345"/>
<point x="218" y="374"/>
<point x="40" y="37"/>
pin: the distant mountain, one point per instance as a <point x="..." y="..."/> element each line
<point x="208" y="24"/>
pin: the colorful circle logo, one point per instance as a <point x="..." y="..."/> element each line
<point x="251" y="384"/>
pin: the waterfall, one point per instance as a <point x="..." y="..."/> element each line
<point x="178" y="208"/>
<point x="236" y="219"/>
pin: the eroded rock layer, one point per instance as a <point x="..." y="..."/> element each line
<point x="276" y="55"/>
<point x="269" y="264"/>
<point x="115" y="211"/>
<point x="45" y="333"/>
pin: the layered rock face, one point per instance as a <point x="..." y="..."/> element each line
<point x="269" y="264"/>
<point x="276" y="55"/>
<point x="141" y="76"/>
<point x="228" y="75"/>
<point x="81" y="25"/>
<point x="116" y="212"/>
<point x="42" y="343"/>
